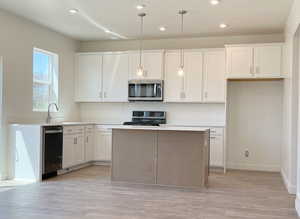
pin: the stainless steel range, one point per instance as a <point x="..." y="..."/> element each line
<point x="147" y="118"/>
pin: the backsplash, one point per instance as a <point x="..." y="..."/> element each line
<point x="177" y="114"/>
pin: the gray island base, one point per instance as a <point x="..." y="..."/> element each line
<point x="161" y="157"/>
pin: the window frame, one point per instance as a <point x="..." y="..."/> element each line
<point x="53" y="70"/>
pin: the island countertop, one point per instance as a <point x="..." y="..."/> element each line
<point x="161" y="128"/>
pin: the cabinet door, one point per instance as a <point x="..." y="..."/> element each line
<point x="88" y="77"/>
<point x="216" y="151"/>
<point x="174" y="84"/>
<point x="103" y="145"/>
<point x="214" y="76"/>
<point x="268" y="60"/>
<point x="68" y="151"/>
<point x="89" y="146"/>
<point x="152" y="62"/>
<point x="79" y="149"/>
<point x="240" y="62"/>
<point x="193" y="76"/>
<point x="115" y="77"/>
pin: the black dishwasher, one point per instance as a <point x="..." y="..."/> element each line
<point x="52" y="150"/>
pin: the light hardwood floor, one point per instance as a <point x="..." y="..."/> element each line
<point x="88" y="193"/>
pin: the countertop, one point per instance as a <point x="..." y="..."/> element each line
<point x="166" y="127"/>
<point x="55" y="124"/>
<point x="162" y="128"/>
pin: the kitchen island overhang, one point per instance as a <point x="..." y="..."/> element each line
<point x="164" y="155"/>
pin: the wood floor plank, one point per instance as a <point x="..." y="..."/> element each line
<point x="89" y="193"/>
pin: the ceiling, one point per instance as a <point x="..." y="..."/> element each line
<point x="120" y="17"/>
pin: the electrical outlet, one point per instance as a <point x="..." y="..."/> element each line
<point x="247" y="154"/>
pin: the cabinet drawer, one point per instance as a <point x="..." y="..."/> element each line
<point x="89" y="129"/>
<point x="73" y="129"/>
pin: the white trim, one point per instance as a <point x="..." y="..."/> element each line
<point x="297" y="206"/>
<point x="253" y="45"/>
<point x="292" y="189"/>
<point x="253" y="167"/>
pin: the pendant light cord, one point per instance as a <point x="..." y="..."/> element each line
<point x="141" y="37"/>
<point x="182" y="13"/>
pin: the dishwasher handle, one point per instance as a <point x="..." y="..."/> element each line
<point x="53" y="131"/>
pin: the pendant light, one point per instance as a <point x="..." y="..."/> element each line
<point x="181" y="67"/>
<point x="140" y="69"/>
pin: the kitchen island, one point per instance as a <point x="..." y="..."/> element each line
<point x="171" y="156"/>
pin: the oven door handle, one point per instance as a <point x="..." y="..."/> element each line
<point x="53" y="131"/>
<point x="155" y="90"/>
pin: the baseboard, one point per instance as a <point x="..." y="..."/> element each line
<point x="80" y="166"/>
<point x="267" y="168"/>
<point x="297" y="205"/>
<point x="292" y="189"/>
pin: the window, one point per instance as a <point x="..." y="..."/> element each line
<point x="45" y="79"/>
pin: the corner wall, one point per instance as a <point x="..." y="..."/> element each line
<point x="291" y="151"/>
<point x="17" y="39"/>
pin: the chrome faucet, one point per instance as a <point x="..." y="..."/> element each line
<point x="49" y="117"/>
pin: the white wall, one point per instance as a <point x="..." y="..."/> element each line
<point x="177" y="43"/>
<point x="177" y="114"/>
<point x="254" y="124"/>
<point x="18" y="36"/>
<point x="289" y="150"/>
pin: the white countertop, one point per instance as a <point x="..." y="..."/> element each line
<point x="162" y="128"/>
<point x="55" y="124"/>
<point x="201" y="127"/>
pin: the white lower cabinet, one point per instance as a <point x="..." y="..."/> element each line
<point x="217" y="147"/>
<point x="103" y="144"/>
<point x="89" y="143"/>
<point x="73" y="146"/>
<point x="68" y="152"/>
<point x="79" y="149"/>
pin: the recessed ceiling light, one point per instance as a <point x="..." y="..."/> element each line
<point x="140" y="7"/>
<point x="214" y="2"/>
<point x="223" y="25"/>
<point x="73" y="11"/>
<point x="162" y="28"/>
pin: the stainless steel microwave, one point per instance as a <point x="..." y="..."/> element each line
<point x="145" y="90"/>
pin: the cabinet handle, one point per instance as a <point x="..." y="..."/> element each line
<point x="105" y="94"/>
<point x="75" y="140"/>
<point x="87" y="139"/>
<point x="213" y="137"/>
<point x="100" y="94"/>
<point x="205" y="95"/>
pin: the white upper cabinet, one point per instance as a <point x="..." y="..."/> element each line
<point x="174" y="84"/>
<point x="88" y="79"/>
<point x="193" y="62"/>
<point x="240" y="62"/>
<point x="187" y="88"/>
<point x="268" y="60"/>
<point x="254" y="61"/>
<point x="214" y="76"/>
<point x="152" y="61"/>
<point x="115" y="77"/>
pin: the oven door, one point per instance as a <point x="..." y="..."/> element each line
<point x="145" y="90"/>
